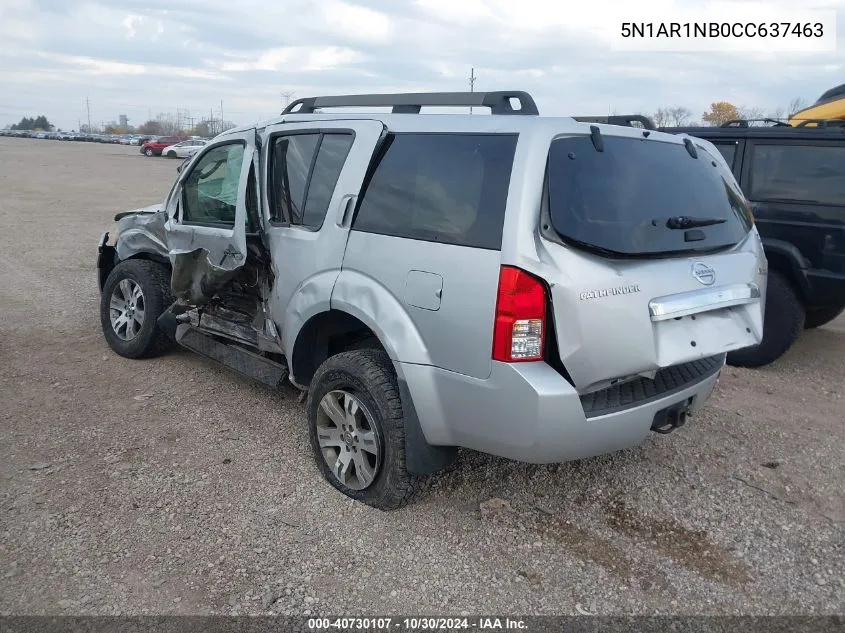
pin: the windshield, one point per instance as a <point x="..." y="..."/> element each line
<point x="642" y="197"/>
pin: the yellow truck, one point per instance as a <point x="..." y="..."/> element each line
<point x="831" y="105"/>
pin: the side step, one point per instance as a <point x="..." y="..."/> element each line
<point x="241" y="360"/>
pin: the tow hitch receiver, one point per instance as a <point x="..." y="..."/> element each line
<point x="668" y="419"/>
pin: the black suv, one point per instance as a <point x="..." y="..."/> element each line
<point x="794" y="178"/>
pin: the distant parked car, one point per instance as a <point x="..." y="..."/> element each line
<point x="154" y="147"/>
<point x="185" y="149"/>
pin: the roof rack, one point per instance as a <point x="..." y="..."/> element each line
<point x="745" y="122"/>
<point x="627" y="120"/>
<point x="410" y="103"/>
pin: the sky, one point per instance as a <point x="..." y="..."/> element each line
<point x="144" y="57"/>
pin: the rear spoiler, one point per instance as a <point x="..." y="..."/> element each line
<point x="627" y="120"/>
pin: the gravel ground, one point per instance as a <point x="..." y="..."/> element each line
<point x="175" y="486"/>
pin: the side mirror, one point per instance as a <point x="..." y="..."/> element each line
<point x="181" y="165"/>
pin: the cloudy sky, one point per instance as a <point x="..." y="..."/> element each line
<point x="143" y="57"/>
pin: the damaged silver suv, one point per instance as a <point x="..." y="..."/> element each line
<point x="543" y="289"/>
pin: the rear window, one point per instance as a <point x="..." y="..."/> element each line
<point x="642" y="197"/>
<point x="449" y="188"/>
<point x="798" y="173"/>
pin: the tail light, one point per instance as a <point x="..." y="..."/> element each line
<point x="520" y="327"/>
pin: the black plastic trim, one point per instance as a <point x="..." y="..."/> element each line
<point x="635" y="393"/>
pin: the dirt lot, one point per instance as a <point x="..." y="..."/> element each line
<point x="174" y="486"/>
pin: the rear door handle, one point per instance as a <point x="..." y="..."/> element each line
<point x="344" y="212"/>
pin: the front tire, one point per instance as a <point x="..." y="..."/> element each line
<point x="149" y="152"/>
<point x="357" y="429"/>
<point x="783" y="322"/>
<point x="135" y="294"/>
<point x="171" y="154"/>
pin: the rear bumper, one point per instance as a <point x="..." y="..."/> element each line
<point x="529" y="413"/>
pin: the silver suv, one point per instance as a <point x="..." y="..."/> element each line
<point x="543" y="289"/>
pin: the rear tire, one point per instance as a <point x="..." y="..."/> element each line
<point x="821" y="316"/>
<point x="149" y="283"/>
<point x="377" y="429"/>
<point x="784" y="320"/>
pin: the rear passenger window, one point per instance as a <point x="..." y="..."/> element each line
<point x="798" y="173"/>
<point x="291" y="158"/>
<point x="330" y="159"/>
<point x="302" y="187"/>
<point x="449" y="188"/>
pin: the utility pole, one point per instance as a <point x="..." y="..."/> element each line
<point x="472" y="79"/>
<point x="88" y="107"/>
<point x="221" y="115"/>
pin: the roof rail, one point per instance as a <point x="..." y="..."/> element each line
<point x="410" y="103"/>
<point x="621" y="119"/>
<point x="745" y="122"/>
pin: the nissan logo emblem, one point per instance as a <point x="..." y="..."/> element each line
<point x="703" y="273"/>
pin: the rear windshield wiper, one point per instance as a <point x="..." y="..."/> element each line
<point x="682" y="222"/>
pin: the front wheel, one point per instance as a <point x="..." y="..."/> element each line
<point x="149" y="152"/>
<point x="357" y="429"/>
<point x="171" y="154"/>
<point x="135" y="294"/>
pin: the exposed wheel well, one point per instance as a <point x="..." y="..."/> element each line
<point x="325" y="335"/>
<point x="109" y="259"/>
<point x="153" y="257"/>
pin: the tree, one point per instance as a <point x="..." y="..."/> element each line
<point x="661" y="117"/>
<point x="795" y="106"/>
<point x="115" y="128"/>
<point x="750" y="112"/>
<point x="777" y="113"/>
<point x="679" y="116"/>
<point x="211" y="127"/>
<point x="152" y="128"/>
<point x="721" y="112"/>
<point x="38" y="123"/>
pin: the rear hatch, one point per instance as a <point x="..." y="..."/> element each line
<point x="652" y="257"/>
